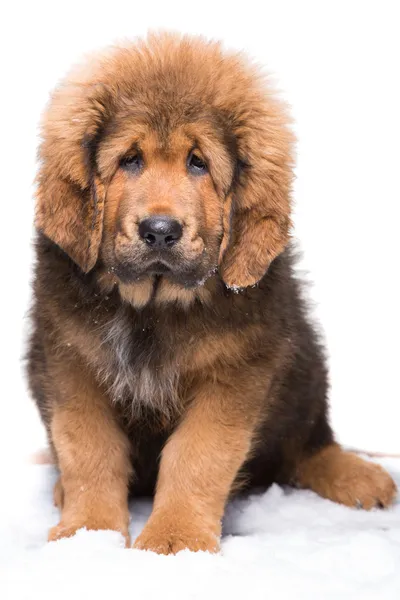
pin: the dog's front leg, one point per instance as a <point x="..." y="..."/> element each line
<point x="92" y="454"/>
<point x="198" y="467"/>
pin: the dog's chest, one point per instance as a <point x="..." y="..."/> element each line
<point x="140" y="366"/>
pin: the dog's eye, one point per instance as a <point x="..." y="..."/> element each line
<point x="133" y="162"/>
<point x="195" y="164"/>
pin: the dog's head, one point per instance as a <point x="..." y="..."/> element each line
<point x="167" y="158"/>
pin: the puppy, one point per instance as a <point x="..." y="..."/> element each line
<point x="171" y="350"/>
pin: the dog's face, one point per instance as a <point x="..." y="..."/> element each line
<point x="166" y="160"/>
<point x="164" y="203"/>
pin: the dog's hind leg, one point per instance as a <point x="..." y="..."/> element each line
<point x="346" y="478"/>
<point x="58" y="494"/>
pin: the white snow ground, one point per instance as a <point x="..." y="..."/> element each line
<point x="278" y="544"/>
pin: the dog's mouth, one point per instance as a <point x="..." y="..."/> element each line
<point x="129" y="273"/>
<point x="180" y="267"/>
<point x="159" y="268"/>
<point x="187" y="275"/>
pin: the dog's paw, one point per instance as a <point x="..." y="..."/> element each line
<point x="346" y="478"/>
<point x="170" y="539"/>
<point x="69" y="529"/>
<point x="63" y="531"/>
<point x="365" y="485"/>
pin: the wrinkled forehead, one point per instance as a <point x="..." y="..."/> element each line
<point x="169" y="132"/>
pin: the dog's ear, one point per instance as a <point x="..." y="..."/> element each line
<point x="257" y="217"/>
<point x="70" y="195"/>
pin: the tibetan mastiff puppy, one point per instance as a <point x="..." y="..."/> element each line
<point x="171" y="351"/>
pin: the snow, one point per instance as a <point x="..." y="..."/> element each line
<point x="279" y="544"/>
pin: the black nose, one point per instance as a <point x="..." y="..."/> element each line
<point x="160" y="231"/>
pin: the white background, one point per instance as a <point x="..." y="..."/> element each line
<point x="337" y="64"/>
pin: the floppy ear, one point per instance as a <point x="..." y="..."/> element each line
<point x="257" y="220"/>
<point x="70" y="195"/>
